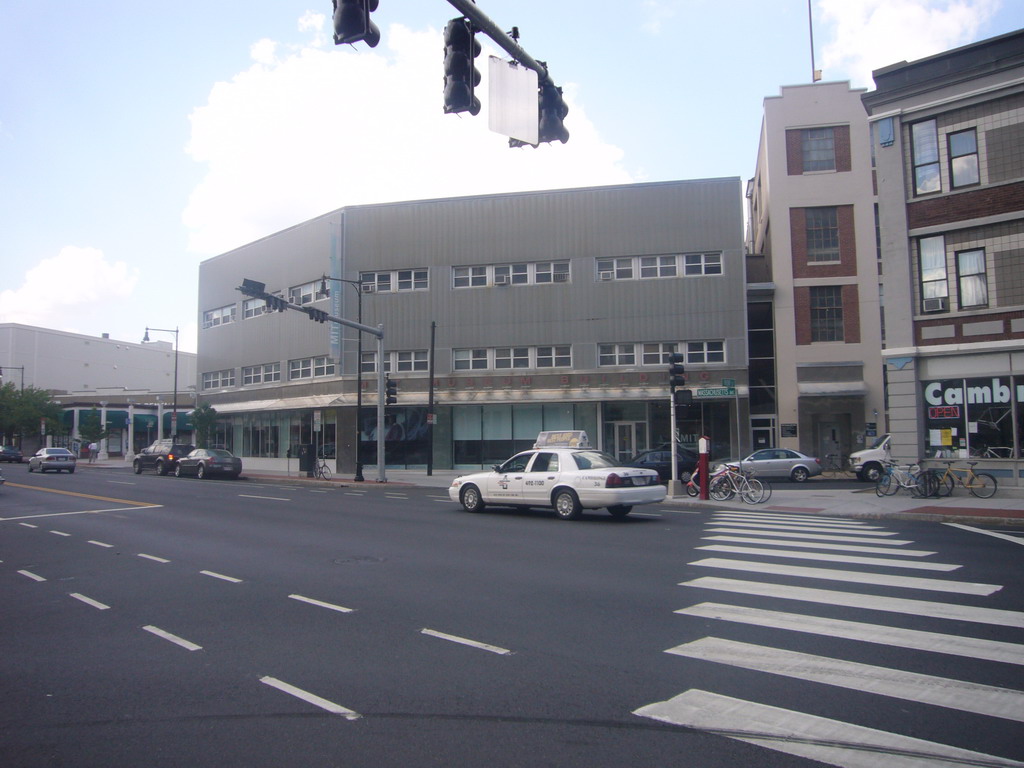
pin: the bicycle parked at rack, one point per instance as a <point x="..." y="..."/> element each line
<point x="835" y="466"/>
<point x="911" y="478"/>
<point x="980" y="484"/>
<point x="728" y="482"/>
<point x="322" y="471"/>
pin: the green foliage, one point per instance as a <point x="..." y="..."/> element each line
<point x="90" y="428"/>
<point x="204" y="421"/>
<point x="22" y="410"/>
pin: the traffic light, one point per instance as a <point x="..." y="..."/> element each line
<point x="552" y="111"/>
<point x="352" y="22"/>
<point x="460" y="73"/>
<point x="316" y="314"/>
<point x="676" y="371"/>
<point x="390" y="392"/>
<point x="275" y="303"/>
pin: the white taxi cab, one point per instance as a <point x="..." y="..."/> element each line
<point x="561" y="472"/>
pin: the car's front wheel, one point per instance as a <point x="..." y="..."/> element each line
<point x="567" y="504"/>
<point x="137" y="467"/>
<point x="870" y="473"/>
<point x="799" y="475"/>
<point x="177" y="471"/>
<point x="201" y="471"/>
<point x="471" y="499"/>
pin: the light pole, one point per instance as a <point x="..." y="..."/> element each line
<point x="174" y="406"/>
<point x="358" y="285"/>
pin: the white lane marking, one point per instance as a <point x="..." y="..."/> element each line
<point x="824" y="545"/>
<point x="752" y="517"/>
<point x="915" y="639"/>
<point x="321" y="604"/>
<point x="89" y="601"/>
<point x="129" y="508"/>
<point x="119" y="482"/>
<point x="310" y="698"/>
<point x="464" y="641"/>
<point x="154" y="558"/>
<point x="831" y="742"/>
<point x="60" y="533"/>
<point x="33" y="576"/>
<point x="961" y="695"/>
<point x="101" y="544"/>
<point x="856" y="577"/>
<point x="816" y="536"/>
<point x="832" y="557"/>
<point x="266" y="498"/>
<point x="803" y="528"/>
<point x="995" y="616"/>
<point x="645" y="514"/>
<point x="996" y="534"/>
<point x="221" y="576"/>
<point x="186" y="644"/>
<point x="27" y="525"/>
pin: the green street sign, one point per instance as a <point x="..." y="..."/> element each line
<point x="706" y="392"/>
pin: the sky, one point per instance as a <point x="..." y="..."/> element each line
<point x="139" y="139"/>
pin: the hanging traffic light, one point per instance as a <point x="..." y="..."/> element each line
<point x="552" y="112"/>
<point x="352" y="22"/>
<point x="317" y="315"/>
<point x="460" y="73"/>
<point x="275" y="303"/>
<point x="390" y="392"/>
<point x="676" y="371"/>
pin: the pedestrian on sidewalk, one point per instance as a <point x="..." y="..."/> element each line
<point x="93" y="450"/>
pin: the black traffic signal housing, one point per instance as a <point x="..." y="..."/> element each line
<point x="461" y="77"/>
<point x="552" y="112"/>
<point x="390" y="391"/>
<point x="676" y="371"/>
<point x="352" y="22"/>
<point x="275" y="303"/>
<point x="316" y="314"/>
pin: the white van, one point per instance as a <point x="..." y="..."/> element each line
<point x="868" y="463"/>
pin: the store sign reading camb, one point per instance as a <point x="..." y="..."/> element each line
<point x="997" y="392"/>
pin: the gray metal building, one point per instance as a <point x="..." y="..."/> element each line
<point x="533" y="311"/>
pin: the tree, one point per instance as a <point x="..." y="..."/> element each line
<point x="90" y="428"/>
<point x="22" y="410"/>
<point x="204" y="421"/>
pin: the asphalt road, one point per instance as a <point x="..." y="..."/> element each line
<point x="161" y="621"/>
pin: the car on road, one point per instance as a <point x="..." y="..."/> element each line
<point x="207" y="462"/>
<point x="561" y="472"/>
<point x="162" y="456"/>
<point x="660" y="461"/>
<point x="780" y="463"/>
<point x="10" y="454"/>
<point x="52" y="460"/>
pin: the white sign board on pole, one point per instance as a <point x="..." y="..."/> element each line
<point x="512" y="100"/>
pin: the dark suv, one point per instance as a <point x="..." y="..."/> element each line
<point x="162" y="456"/>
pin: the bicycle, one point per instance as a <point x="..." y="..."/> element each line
<point x="835" y="466"/>
<point x="322" y="471"/>
<point x="911" y="478"/>
<point x="980" y="484"/>
<point x="734" y="482"/>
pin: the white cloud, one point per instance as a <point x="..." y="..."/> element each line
<point x="870" y="34"/>
<point x="304" y="132"/>
<point x="60" y="291"/>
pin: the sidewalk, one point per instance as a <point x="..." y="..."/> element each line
<point x="858" y="501"/>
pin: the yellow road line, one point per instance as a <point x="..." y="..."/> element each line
<point x="81" y="495"/>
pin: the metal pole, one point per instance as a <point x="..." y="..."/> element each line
<point x="493" y="31"/>
<point x="174" y="410"/>
<point x="381" y="475"/>
<point x="430" y="403"/>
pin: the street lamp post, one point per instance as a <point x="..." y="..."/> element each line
<point x="358" y="285"/>
<point x="174" y="405"/>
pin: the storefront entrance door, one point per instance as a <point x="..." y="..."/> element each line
<point x="624" y="445"/>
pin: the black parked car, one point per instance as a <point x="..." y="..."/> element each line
<point x="205" y="462"/>
<point x="163" y="456"/>
<point x="10" y="453"/>
<point x="661" y="460"/>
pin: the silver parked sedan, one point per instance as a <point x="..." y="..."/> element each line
<point x="780" y="463"/>
<point x="52" y="459"/>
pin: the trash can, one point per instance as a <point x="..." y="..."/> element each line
<point x="307" y="459"/>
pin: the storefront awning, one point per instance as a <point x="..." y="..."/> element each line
<point x="280" y="404"/>
<point x="832" y="388"/>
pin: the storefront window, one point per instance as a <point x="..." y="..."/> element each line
<point x="972" y="417"/>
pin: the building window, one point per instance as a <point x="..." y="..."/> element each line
<point x="554" y="357"/>
<point x="702" y="264"/>
<point x="705" y="352"/>
<point x="219" y="379"/>
<point x="963" y="158"/>
<point x="539" y="273"/>
<point x="310" y="367"/>
<point x="934" y="277"/>
<point x="470" y="359"/>
<point x="925" y="144"/>
<point x="409" y="361"/>
<point x="552" y="272"/>
<point x="512" y="357"/>
<point x="822" y="234"/>
<point x="656" y="353"/>
<point x="973" y="282"/>
<point x="657" y="266"/>
<point x="261" y="374"/>
<point x="818" y="149"/>
<point x="616" y="354"/>
<point x="826" y="313"/>
<point x="253" y="308"/>
<point x="219" y="316"/>
<point x="513" y="274"/>
<point x="654" y="267"/>
<point x="306" y="293"/>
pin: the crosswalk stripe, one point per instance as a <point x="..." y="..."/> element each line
<point x="752" y="517"/>
<point x="831" y="557"/>
<point x="821" y="536"/>
<point x="994" y="616"/>
<point x="823" y="545"/>
<point x="816" y="738"/>
<point x="961" y="695"/>
<point x="803" y="528"/>
<point x="913" y="639"/>
<point x="857" y="577"/>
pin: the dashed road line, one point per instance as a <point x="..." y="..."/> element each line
<point x="310" y="698"/>
<point x="464" y="641"/>
<point x="180" y="641"/>
<point x="154" y="558"/>
<point x="89" y="601"/>
<point x="321" y="604"/>
<point x="100" y="544"/>
<point x="33" y="576"/>
<point x="60" y="533"/>
<point x="221" y="576"/>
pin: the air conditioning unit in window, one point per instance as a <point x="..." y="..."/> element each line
<point x="606" y="275"/>
<point x="561" y="277"/>
<point x="935" y="305"/>
<point x="367" y="287"/>
<point x="501" y="279"/>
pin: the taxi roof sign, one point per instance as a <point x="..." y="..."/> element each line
<point x="565" y="439"/>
